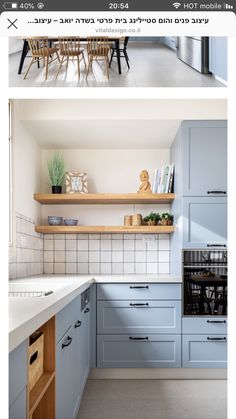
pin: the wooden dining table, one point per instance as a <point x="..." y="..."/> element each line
<point x="25" y="50"/>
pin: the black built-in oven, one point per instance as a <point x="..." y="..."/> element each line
<point x="205" y="282"/>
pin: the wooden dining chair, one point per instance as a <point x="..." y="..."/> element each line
<point x="123" y="51"/>
<point x="41" y="50"/>
<point x="98" y="49"/>
<point x="69" y="48"/>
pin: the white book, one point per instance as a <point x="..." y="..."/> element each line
<point x="154" y="185"/>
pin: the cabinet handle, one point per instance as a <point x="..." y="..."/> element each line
<point x="208" y="338"/>
<point x="216" y="321"/>
<point x="78" y="324"/>
<point x="134" y="287"/>
<point x="139" y="305"/>
<point x="86" y="310"/>
<point x="138" y="338"/>
<point x="216" y="245"/>
<point x="69" y="340"/>
<point x="216" y="192"/>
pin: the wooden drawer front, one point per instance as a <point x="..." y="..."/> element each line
<point x="138" y="291"/>
<point x="17" y="371"/>
<point x="116" y="317"/>
<point x="66" y="317"/>
<point x="202" y="351"/>
<point x="217" y="325"/>
<point x="153" y="351"/>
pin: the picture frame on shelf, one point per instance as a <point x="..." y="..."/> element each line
<point x="76" y="182"/>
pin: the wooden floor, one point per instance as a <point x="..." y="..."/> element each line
<point x="154" y="399"/>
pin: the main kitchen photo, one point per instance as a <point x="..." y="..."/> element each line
<point x="118" y="259"/>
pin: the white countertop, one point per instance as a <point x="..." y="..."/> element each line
<point x="27" y="314"/>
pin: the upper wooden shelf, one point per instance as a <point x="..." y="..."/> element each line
<point x="104" y="198"/>
<point x="46" y="229"/>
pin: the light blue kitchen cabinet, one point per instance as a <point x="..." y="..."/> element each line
<point x="204" y="222"/>
<point x="204" y="158"/>
<point x="204" y="325"/>
<point x="81" y="355"/>
<point x="139" y="351"/>
<point x="218" y="57"/>
<point x="66" y="317"/>
<point x="18" y="408"/>
<point x="65" y="392"/>
<point x="123" y="317"/>
<point x="138" y="291"/>
<point x="204" y="351"/>
<point x="18" y="380"/>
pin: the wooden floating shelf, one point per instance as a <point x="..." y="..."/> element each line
<point x="104" y="229"/>
<point x="104" y="199"/>
<point x="39" y="389"/>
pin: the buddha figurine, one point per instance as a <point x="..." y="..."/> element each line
<point x="145" y="184"/>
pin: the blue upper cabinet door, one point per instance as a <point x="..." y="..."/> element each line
<point x="204" y="158"/>
<point x="204" y="222"/>
<point x="218" y="57"/>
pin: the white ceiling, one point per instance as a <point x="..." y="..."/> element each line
<point x="94" y="134"/>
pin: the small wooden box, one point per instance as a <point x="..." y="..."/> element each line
<point x="35" y="358"/>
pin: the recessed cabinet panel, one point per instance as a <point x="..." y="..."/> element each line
<point x="139" y="351"/>
<point x="17" y="371"/>
<point x="204" y="351"/>
<point x="138" y="291"/>
<point x="66" y="317"/>
<point x="117" y="317"/>
<point x="204" y="222"/>
<point x="18" y="409"/>
<point x="205" y="158"/>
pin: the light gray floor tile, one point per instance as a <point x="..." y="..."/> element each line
<point x="152" y="64"/>
<point x="154" y="399"/>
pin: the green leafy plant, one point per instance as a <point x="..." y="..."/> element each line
<point x="152" y="217"/>
<point x="166" y="219"/>
<point x="56" y="170"/>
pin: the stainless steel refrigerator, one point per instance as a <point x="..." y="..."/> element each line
<point x="194" y="51"/>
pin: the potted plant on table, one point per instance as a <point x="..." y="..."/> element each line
<point x="56" y="171"/>
<point x="152" y="219"/>
<point x="166" y="219"/>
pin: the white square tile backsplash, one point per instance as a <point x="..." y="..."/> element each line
<point x="108" y="254"/>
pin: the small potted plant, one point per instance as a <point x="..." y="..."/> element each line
<point x="56" y="171"/>
<point x="152" y="219"/>
<point x="166" y="219"/>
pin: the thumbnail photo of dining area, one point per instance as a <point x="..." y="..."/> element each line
<point x="166" y="61"/>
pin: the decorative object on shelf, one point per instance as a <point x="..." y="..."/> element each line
<point x="35" y="358"/>
<point x="128" y="220"/>
<point x="76" y="182"/>
<point x="56" y="171"/>
<point x="166" y="219"/>
<point x="70" y="222"/>
<point x="137" y="220"/>
<point x="145" y="186"/>
<point x="152" y="219"/>
<point x="53" y="220"/>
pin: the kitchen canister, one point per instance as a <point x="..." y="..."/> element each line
<point x="137" y="220"/>
<point x="128" y="220"/>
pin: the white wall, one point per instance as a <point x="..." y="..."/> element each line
<point x="114" y="171"/>
<point x="15" y="45"/>
<point x="26" y="168"/>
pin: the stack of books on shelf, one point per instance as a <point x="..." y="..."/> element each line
<point x="163" y="179"/>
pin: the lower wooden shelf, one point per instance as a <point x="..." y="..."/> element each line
<point x="104" y="229"/>
<point x="39" y="389"/>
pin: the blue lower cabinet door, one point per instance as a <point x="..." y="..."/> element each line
<point x="65" y="400"/>
<point x="18" y="408"/>
<point x="139" y="351"/>
<point x="204" y="351"/>
<point x="138" y="316"/>
<point x="17" y="376"/>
